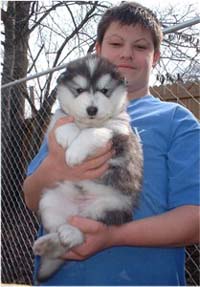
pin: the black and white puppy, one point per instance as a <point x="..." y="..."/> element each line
<point x="94" y="93"/>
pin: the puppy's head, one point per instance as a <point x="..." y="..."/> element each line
<point x="91" y="90"/>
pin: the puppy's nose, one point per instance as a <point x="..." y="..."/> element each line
<point x="92" y="111"/>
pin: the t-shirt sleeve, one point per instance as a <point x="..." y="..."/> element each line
<point x="184" y="159"/>
<point x="38" y="159"/>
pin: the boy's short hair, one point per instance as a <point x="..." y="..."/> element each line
<point x="131" y="13"/>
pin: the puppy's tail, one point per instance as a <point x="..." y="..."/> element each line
<point x="48" y="266"/>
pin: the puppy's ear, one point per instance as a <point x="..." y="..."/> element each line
<point x="119" y="76"/>
<point x="63" y="77"/>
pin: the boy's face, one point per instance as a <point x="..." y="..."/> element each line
<point x="131" y="49"/>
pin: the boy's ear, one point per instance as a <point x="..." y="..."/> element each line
<point x="156" y="58"/>
<point x="98" y="48"/>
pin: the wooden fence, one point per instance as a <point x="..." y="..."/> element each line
<point x="187" y="94"/>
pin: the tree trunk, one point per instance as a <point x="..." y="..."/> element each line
<point x="12" y="103"/>
<point x="13" y="99"/>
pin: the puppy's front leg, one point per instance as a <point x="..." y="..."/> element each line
<point x="86" y="144"/>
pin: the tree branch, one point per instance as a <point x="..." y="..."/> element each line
<point x="87" y="17"/>
<point x="44" y="16"/>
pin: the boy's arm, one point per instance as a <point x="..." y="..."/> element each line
<point x="175" y="228"/>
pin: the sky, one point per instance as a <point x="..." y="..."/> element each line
<point x="166" y="3"/>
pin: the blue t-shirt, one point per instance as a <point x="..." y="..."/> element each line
<point x="170" y="137"/>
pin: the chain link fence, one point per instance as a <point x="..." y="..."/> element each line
<point x="22" y="137"/>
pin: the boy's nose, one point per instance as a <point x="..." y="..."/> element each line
<point x="127" y="52"/>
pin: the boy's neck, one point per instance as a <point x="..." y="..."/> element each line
<point x="138" y="94"/>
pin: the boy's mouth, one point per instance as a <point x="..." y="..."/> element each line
<point x="125" y="66"/>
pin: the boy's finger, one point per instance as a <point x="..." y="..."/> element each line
<point x="85" y="224"/>
<point x="72" y="256"/>
<point x="97" y="172"/>
<point x="98" y="161"/>
<point x="63" y="121"/>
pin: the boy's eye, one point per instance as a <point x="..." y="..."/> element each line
<point x="140" y="47"/>
<point x="115" y="44"/>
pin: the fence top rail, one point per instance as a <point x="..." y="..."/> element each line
<point x="182" y="25"/>
<point x="168" y="30"/>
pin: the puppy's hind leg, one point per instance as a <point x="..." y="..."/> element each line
<point x="57" y="243"/>
<point x="48" y="266"/>
<point x="48" y="244"/>
<point x="50" y="249"/>
<point x="51" y="246"/>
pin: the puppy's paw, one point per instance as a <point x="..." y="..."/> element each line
<point x="70" y="236"/>
<point x="102" y="136"/>
<point x="75" y="155"/>
<point x="46" y="244"/>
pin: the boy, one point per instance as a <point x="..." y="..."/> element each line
<point x="148" y="250"/>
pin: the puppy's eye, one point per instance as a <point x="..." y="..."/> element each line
<point x="79" y="90"/>
<point x="104" y="91"/>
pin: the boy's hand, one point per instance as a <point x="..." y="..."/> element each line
<point x="97" y="237"/>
